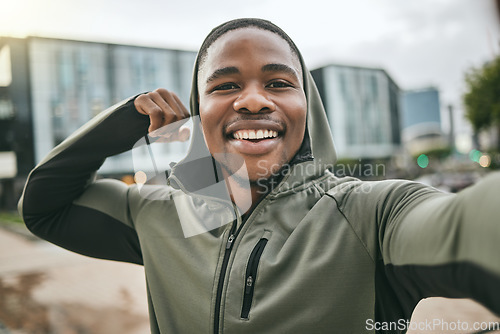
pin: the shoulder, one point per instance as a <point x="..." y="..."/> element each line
<point x="347" y="189"/>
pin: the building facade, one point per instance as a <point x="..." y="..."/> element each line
<point x="57" y="85"/>
<point x="421" y="121"/>
<point x="363" y="110"/>
<point x="420" y="106"/>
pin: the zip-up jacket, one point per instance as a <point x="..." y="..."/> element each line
<point x="318" y="254"/>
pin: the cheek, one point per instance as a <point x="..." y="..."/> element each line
<point x="210" y="109"/>
<point x="205" y="124"/>
<point x="298" y="117"/>
<point x="213" y="111"/>
<point x="210" y="123"/>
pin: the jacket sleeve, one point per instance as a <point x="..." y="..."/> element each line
<point x="429" y="243"/>
<point x="63" y="204"/>
<point x="445" y="244"/>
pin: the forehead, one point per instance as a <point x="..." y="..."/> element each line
<point x="238" y="47"/>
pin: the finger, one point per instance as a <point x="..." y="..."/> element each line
<point x="181" y="113"/>
<point x="155" y="113"/>
<point x="176" y="107"/>
<point x="184" y="110"/>
<point x="169" y="113"/>
<point x="169" y="100"/>
<point x="174" y="101"/>
<point x="138" y="102"/>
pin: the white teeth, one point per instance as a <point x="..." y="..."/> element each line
<point x="255" y="134"/>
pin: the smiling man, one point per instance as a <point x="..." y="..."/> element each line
<point x="310" y="253"/>
<point x="252" y="102"/>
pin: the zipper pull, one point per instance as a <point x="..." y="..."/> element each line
<point x="249" y="284"/>
<point x="230" y="241"/>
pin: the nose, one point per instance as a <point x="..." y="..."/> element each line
<point x="253" y="99"/>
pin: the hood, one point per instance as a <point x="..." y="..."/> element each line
<point x="199" y="170"/>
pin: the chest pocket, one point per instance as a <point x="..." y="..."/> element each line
<point x="251" y="276"/>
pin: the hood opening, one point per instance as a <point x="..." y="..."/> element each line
<point x="317" y="146"/>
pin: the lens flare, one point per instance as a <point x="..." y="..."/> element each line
<point x="485" y="161"/>
<point x="140" y="177"/>
<point x="475" y="155"/>
<point x="423" y="161"/>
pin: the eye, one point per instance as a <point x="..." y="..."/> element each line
<point x="226" y="86"/>
<point x="279" y="84"/>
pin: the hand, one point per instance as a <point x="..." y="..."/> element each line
<point x="163" y="108"/>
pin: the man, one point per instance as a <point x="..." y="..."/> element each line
<point x="304" y="252"/>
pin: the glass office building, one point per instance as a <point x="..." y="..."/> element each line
<point x="421" y="113"/>
<point x="420" y="106"/>
<point x="362" y="106"/>
<point x="421" y="121"/>
<point x="58" y="85"/>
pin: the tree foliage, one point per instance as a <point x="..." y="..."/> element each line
<point x="482" y="98"/>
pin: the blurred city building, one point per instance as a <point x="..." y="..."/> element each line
<point x="363" y="109"/>
<point x="50" y="87"/>
<point x="421" y="122"/>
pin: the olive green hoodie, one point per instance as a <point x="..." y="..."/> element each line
<point x="318" y="254"/>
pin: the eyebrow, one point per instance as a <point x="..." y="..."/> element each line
<point x="279" y="68"/>
<point x="266" y="68"/>
<point x="222" y="72"/>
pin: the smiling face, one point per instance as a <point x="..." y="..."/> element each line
<point x="252" y="102"/>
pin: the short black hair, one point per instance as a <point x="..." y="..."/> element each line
<point x="238" y="24"/>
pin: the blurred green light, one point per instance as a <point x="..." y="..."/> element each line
<point x="475" y="155"/>
<point x="423" y="161"/>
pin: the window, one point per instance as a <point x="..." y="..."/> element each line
<point x="5" y="67"/>
<point x="6" y="109"/>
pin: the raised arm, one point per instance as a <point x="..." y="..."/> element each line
<point x="63" y="204"/>
<point x="426" y="242"/>
<point x="445" y="244"/>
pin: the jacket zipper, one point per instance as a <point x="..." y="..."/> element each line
<point x="229" y="246"/>
<point x="220" y="285"/>
<point x="251" y="277"/>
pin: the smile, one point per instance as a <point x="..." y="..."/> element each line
<point x="255" y="134"/>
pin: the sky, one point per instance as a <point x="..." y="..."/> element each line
<point x="419" y="43"/>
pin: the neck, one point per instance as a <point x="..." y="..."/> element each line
<point x="245" y="196"/>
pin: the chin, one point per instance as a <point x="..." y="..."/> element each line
<point x="251" y="169"/>
<point x="263" y="170"/>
